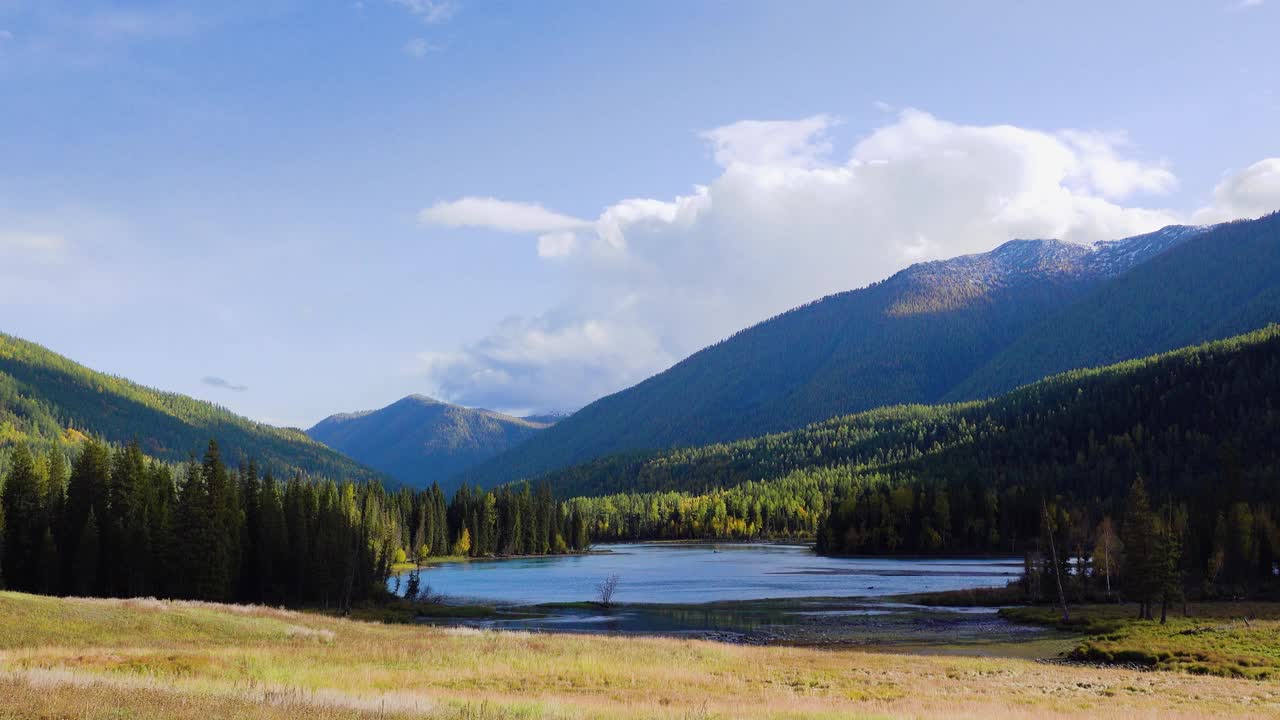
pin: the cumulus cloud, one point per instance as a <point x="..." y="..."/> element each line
<point x="527" y="364"/>
<point x="777" y="143"/>
<point x="223" y="384"/>
<point x="1114" y="176"/>
<point x="1250" y="192"/>
<point x="783" y="222"/>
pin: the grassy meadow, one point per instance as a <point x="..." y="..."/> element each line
<point x="151" y="659"/>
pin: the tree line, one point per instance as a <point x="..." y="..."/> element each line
<point x="116" y="523"/>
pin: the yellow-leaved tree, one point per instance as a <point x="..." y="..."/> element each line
<point x="463" y="545"/>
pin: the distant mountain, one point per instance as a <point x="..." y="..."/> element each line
<point x="550" y="418"/>
<point x="46" y="398"/>
<point x="420" y="440"/>
<point x="913" y="338"/>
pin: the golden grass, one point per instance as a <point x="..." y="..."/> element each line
<point x="96" y="658"/>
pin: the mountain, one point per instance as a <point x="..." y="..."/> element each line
<point x="1185" y="390"/>
<point x="914" y="337"/>
<point x="1195" y="428"/>
<point x="419" y="440"/>
<point x="47" y="398"/>
<point x="1223" y="283"/>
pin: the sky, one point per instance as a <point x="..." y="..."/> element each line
<point x="294" y="209"/>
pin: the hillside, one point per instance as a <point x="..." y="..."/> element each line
<point x="911" y="338"/>
<point x="419" y="440"/>
<point x="1224" y="283"/>
<point x="45" y="397"/>
<point x="1092" y="403"/>
<point x="1198" y="425"/>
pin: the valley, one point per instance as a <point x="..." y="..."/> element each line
<point x="1103" y="523"/>
<point x="702" y="360"/>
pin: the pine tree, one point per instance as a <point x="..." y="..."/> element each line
<point x="1170" y="562"/>
<point x="160" y="509"/>
<point x="85" y="568"/>
<point x="1143" y="573"/>
<point x="85" y="495"/>
<point x="414" y="587"/>
<point x="47" y="575"/>
<point x="252" y="582"/>
<point x="273" y="541"/>
<point x="126" y="550"/>
<point x="24" y="522"/>
<point x="55" y="501"/>
<point x="2" y="514"/>
<point x="198" y="550"/>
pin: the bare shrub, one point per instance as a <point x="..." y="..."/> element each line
<point x="606" y="589"/>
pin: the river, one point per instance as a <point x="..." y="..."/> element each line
<point x="688" y="573"/>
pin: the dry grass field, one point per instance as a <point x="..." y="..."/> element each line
<point x="149" y="659"/>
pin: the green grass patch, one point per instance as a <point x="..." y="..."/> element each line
<point x="406" y="611"/>
<point x="1227" y="639"/>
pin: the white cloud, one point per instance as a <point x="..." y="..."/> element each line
<point x="527" y="363"/>
<point x="1250" y="192"/>
<point x="430" y="11"/>
<point x="789" y="143"/>
<point x="497" y="214"/>
<point x="1113" y="176"/>
<point x="559" y="244"/>
<point x="1249" y="3"/>
<point x="651" y="281"/>
<point x="5" y="35"/>
<point x="419" y="48"/>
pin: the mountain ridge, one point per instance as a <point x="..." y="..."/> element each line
<point x="913" y="337"/>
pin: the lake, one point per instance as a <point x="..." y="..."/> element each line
<point x="686" y="573"/>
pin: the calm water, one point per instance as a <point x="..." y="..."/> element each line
<point x="699" y="573"/>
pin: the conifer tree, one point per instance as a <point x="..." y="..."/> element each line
<point x="24" y="524"/>
<point x="85" y="568"/>
<point x="1170" y="562"/>
<point x="85" y="494"/>
<point x="1143" y="573"/>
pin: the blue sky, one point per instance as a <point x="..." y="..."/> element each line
<point x="295" y="209"/>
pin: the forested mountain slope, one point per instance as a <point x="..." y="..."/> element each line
<point x="1222" y="284"/>
<point x="1096" y="402"/>
<point x="911" y="338"/>
<point x="420" y="440"/>
<point x="1199" y="425"/>
<point x="45" y="398"/>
